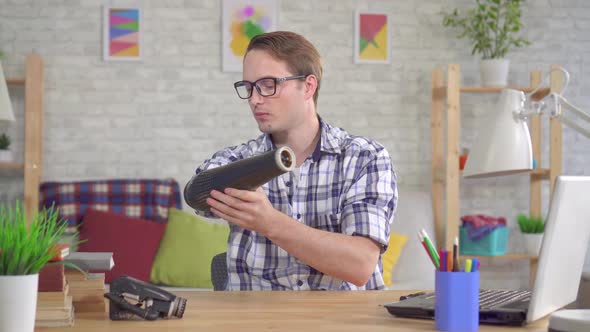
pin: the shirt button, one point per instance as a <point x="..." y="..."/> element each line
<point x="298" y="215"/>
<point x="288" y="183"/>
<point x="299" y="283"/>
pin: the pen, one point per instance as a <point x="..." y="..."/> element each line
<point x="456" y="266"/>
<point x="443" y="261"/>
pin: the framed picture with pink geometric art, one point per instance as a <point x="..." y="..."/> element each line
<point x="122" y="34"/>
<point x="242" y="20"/>
<point x="372" y="37"/>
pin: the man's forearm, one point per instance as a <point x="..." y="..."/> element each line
<point x="350" y="258"/>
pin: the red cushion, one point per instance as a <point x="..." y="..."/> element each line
<point x="133" y="242"/>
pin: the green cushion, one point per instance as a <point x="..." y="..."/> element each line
<point x="186" y="250"/>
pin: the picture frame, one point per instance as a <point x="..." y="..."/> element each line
<point x="372" y="37"/>
<point x="122" y="33"/>
<point x="241" y="21"/>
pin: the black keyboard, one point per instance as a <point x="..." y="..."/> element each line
<point x="508" y="298"/>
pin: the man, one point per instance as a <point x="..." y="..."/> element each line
<point x="325" y="225"/>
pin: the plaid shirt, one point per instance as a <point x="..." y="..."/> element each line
<point x="347" y="186"/>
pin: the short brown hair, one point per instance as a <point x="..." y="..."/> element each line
<point x="301" y="56"/>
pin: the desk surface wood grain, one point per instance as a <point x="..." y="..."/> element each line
<point x="278" y="311"/>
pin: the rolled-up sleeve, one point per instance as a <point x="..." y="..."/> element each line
<point x="370" y="202"/>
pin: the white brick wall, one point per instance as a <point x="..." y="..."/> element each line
<point x="163" y="116"/>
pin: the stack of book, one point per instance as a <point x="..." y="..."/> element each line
<point x="54" y="301"/>
<point x="88" y="289"/>
<point x="54" y="309"/>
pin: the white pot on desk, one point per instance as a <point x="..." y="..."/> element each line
<point x="18" y="302"/>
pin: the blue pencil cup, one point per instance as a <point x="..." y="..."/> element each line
<point x="457" y="301"/>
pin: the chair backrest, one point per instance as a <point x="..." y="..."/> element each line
<point x="219" y="272"/>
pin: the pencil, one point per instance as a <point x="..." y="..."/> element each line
<point x="431" y="248"/>
<point x="456" y="267"/>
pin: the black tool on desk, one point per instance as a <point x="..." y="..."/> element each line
<point x="130" y="298"/>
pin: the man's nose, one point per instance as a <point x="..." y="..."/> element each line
<point x="256" y="98"/>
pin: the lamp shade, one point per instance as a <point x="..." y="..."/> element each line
<point x="503" y="143"/>
<point x="6" y="113"/>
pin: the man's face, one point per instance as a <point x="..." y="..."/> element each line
<point x="283" y="110"/>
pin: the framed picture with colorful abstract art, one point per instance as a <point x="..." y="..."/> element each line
<point x="372" y="37"/>
<point x="241" y="21"/>
<point x="122" y="34"/>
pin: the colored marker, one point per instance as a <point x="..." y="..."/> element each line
<point x="468" y="265"/>
<point x="475" y="265"/>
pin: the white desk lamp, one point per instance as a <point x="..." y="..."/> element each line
<point x="503" y="147"/>
<point x="6" y="113"/>
<point x="503" y="144"/>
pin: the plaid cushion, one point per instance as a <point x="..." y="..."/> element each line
<point x="147" y="199"/>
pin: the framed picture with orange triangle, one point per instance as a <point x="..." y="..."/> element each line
<point x="122" y="33"/>
<point x="372" y="37"/>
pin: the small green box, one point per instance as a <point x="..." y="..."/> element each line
<point x="493" y="244"/>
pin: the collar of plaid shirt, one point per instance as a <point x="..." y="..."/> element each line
<point x="347" y="186"/>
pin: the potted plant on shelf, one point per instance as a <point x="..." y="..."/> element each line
<point x="532" y="229"/>
<point x="5" y="154"/>
<point x="491" y="27"/>
<point x="24" y="250"/>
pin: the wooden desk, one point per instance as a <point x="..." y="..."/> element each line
<point x="278" y="311"/>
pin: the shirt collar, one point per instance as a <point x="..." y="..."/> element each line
<point x="328" y="142"/>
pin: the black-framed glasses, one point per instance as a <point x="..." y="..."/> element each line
<point x="266" y="86"/>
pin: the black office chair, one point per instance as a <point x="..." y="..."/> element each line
<point x="219" y="272"/>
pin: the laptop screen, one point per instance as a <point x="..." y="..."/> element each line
<point x="565" y="241"/>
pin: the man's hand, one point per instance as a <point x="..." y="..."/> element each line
<point x="248" y="209"/>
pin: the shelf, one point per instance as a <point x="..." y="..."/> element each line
<point x="440" y="176"/>
<point x="541" y="173"/>
<point x="507" y="257"/>
<point x="31" y="166"/>
<point x="15" y="81"/>
<point x="11" y="166"/>
<point x="540" y="94"/>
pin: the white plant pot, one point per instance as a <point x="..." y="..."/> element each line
<point x="533" y="243"/>
<point x="494" y="72"/>
<point x="6" y="156"/>
<point x="18" y="302"/>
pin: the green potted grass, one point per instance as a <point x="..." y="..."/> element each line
<point x="24" y="250"/>
<point x="532" y="229"/>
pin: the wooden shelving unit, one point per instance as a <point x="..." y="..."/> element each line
<point x="33" y="84"/>
<point x="445" y="114"/>
<point x="12" y="166"/>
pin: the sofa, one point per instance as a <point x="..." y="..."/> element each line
<point x="141" y="221"/>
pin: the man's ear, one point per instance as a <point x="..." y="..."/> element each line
<point x="311" y="85"/>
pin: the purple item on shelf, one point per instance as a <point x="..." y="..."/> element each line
<point x="478" y="226"/>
